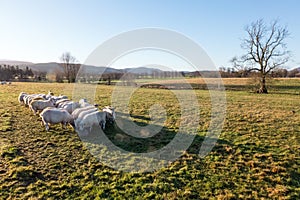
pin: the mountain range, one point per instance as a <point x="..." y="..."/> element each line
<point x="53" y="67"/>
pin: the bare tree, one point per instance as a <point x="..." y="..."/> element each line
<point x="70" y="69"/>
<point x="265" y="50"/>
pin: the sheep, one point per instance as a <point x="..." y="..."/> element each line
<point x="60" y="97"/>
<point x="84" y="103"/>
<point x="70" y="106"/>
<point x="92" y="119"/>
<point x="56" y="116"/>
<point x="41" y="105"/>
<point x="58" y="102"/>
<point x="21" y="97"/>
<point x="36" y="98"/>
<point x="81" y="101"/>
<point x="28" y="98"/>
<point x="82" y="114"/>
<point x="49" y="95"/>
<point x="61" y="104"/>
<point x="77" y="111"/>
<point x="110" y="113"/>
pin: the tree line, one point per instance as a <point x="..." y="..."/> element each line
<point x="10" y="72"/>
<point x="231" y="72"/>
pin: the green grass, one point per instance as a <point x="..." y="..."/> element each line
<point x="256" y="156"/>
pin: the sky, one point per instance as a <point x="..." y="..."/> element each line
<point x="40" y="31"/>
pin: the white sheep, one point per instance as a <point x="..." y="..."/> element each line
<point x="84" y="103"/>
<point x="30" y="97"/>
<point x="70" y="106"/>
<point x="92" y="119"/>
<point x="62" y="104"/>
<point x="41" y="105"/>
<point x="61" y="101"/>
<point x="110" y="113"/>
<point x="81" y="101"/>
<point x="21" y="97"/>
<point x="56" y="116"/>
<point x="49" y="95"/>
<point x="25" y="100"/>
<point x="60" y="97"/>
<point x="77" y="111"/>
<point x="82" y="114"/>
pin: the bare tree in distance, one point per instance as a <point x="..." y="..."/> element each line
<point x="70" y="68"/>
<point x="265" y="50"/>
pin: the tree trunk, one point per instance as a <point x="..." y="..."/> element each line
<point x="108" y="81"/>
<point x="263" y="88"/>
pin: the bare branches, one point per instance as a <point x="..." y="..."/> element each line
<point x="265" y="46"/>
<point x="265" y="49"/>
<point x="69" y="67"/>
<point x="67" y="58"/>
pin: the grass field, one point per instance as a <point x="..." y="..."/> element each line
<point x="256" y="157"/>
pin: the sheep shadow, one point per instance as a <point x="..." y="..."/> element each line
<point x="113" y="137"/>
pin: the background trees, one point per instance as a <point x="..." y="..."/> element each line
<point x="70" y="68"/>
<point x="265" y="50"/>
<point x="9" y="72"/>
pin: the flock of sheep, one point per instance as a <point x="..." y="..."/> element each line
<point x="81" y="115"/>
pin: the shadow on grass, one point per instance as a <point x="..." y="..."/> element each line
<point x="126" y="152"/>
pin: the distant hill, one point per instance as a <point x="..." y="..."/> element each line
<point x="98" y="69"/>
<point x="14" y="62"/>
<point x="45" y="67"/>
<point x="142" y="70"/>
<point x="53" y="66"/>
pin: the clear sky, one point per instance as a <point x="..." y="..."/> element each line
<point x="40" y="31"/>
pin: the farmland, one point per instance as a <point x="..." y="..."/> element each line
<point x="256" y="156"/>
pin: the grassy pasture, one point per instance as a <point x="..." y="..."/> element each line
<point x="256" y="157"/>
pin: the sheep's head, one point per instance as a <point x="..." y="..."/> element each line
<point x="52" y="101"/>
<point x="82" y="101"/>
<point x="50" y="93"/>
<point x="110" y="113"/>
<point x="72" y="123"/>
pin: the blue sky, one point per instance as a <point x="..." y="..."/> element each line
<point x="40" y="31"/>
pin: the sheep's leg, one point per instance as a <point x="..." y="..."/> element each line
<point x="103" y="125"/>
<point x="47" y="126"/>
<point x="43" y="122"/>
<point x="33" y="110"/>
<point x="63" y="125"/>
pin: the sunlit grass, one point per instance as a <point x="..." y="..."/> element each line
<point x="256" y="156"/>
